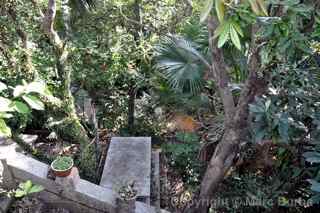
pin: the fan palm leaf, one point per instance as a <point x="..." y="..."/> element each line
<point x="83" y="5"/>
<point x="181" y="63"/>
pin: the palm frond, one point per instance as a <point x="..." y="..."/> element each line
<point x="181" y="63"/>
<point x="83" y="5"/>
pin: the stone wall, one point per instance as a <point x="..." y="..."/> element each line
<point x="72" y="193"/>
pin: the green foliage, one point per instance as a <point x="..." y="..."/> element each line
<point x="290" y="106"/>
<point x="229" y="30"/>
<point x="182" y="155"/>
<point x="181" y="102"/>
<point x="27" y="188"/>
<point x="20" y="99"/>
<point x="62" y="163"/>
<point x="181" y="63"/>
<point x="312" y="155"/>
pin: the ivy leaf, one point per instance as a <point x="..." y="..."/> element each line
<point x="34" y="102"/>
<point x="19" y="90"/>
<point x="220" y="9"/>
<point x="206" y="10"/>
<point x="5" y="131"/>
<point x="20" y="107"/>
<point x="234" y="37"/>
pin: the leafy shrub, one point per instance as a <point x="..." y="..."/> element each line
<point x="182" y="155"/>
<point x="20" y="99"/>
<point x="27" y="188"/>
<point x="289" y="114"/>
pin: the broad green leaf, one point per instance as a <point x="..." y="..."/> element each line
<point x="5" y="115"/>
<point x="315" y="186"/>
<point x="5" y="105"/>
<point x="312" y="157"/>
<point x="35" y="189"/>
<point x="219" y="4"/>
<point x="37" y="87"/>
<point x="234" y="37"/>
<point x="238" y="28"/>
<point x="267" y="104"/>
<point x="19" y="90"/>
<point x="20" y="107"/>
<point x="206" y="10"/>
<point x="220" y="29"/>
<point x="260" y="134"/>
<point x="256" y="108"/>
<point x="34" y="102"/>
<point x="283" y="127"/>
<point x="224" y="36"/>
<point x="47" y="92"/>
<point x="5" y="131"/>
<point x="315" y="199"/>
<point x="26" y="185"/>
<point x="20" y="193"/>
<point x="2" y="86"/>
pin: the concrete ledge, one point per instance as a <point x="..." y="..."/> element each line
<point x="80" y="197"/>
<point x="144" y="208"/>
<point x="96" y="195"/>
<point x="84" y="197"/>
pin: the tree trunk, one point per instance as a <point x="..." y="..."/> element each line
<point x="236" y="117"/>
<point x="69" y="127"/>
<point x="131" y="106"/>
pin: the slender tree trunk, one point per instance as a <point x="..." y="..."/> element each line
<point x="131" y="106"/>
<point x="133" y="90"/>
<point x="27" y="66"/>
<point x="236" y="117"/>
<point x="70" y="127"/>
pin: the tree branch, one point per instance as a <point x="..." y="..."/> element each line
<point x="255" y="85"/>
<point x="220" y="72"/>
<point x="35" y="4"/>
<point x="48" y="22"/>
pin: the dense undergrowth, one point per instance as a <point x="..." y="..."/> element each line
<point x="144" y="68"/>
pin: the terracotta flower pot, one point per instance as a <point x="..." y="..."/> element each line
<point x="61" y="173"/>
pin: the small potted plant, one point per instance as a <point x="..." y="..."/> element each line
<point x="126" y="201"/>
<point x="62" y="166"/>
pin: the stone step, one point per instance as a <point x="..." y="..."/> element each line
<point x="129" y="159"/>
